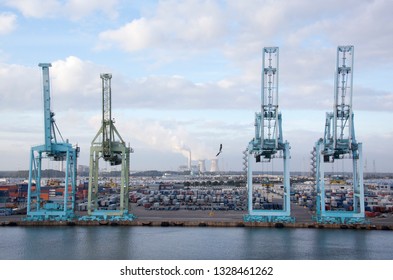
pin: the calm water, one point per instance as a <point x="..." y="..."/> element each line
<point x="152" y="243"/>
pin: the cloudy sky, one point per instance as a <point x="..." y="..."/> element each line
<point x="186" y="74"/>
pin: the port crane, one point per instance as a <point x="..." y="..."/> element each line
<point x="268" y="142"/>
<point x="338" y="143"/>
<point x="109" y="146"/>
<point x="37" y="207"/>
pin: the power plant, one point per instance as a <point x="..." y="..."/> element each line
<point x="200" y="167"/>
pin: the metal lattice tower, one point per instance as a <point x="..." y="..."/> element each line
<point x="108" y="145"/>
<point x="270" y="130"/>
<point x="38" y="208"/>
<point x="339" y="142"/>
<point x="268" y="141"/>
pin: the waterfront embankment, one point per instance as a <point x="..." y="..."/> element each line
<point x="199" y="218"/>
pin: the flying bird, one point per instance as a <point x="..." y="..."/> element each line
<point x="219" y="152"/>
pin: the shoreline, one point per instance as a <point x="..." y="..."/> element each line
<point x="188" y="223"/>
<point x="202" y="218"/>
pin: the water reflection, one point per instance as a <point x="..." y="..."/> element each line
<point x="166" y="243"/>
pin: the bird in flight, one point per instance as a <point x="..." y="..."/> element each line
<point x="219" y="152"/>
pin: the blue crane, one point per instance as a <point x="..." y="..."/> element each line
<point x="53" y="149"/>
<point x="268" y="142"/>
<point x="339" y="142"/>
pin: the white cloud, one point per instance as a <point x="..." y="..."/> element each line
<point x="73" y="83"/>
<point x="72" y="9"/>
<point x="7" y="23"/>
<point x="77" y="9"/>
<point x="176" y="138"/>
<point x="189" y="24"/>
<point x="306" y="32"/>
<point x="180" y="93"/>
<point x="74" y="77"/>
<point x="36" y="8"/>
<point x="133" y="36"/>
<point x="369" y="27"/>
<point x="14" y="93"/>
<point x="76" y="82"/>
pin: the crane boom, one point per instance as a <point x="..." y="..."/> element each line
<point x="107" y="122"/>
<point x="339" y="130"/>
<point x="48" y="115"/>
<point x="108" y="127"/>
<point x="269" y="97"/>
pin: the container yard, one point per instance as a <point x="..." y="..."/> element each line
<point x="213" y="201"/>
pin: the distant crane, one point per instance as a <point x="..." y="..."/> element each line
<point x="339" y="142"/>
<point x="108" y="145"/>
<point x="268" y="141"/>
<point x="38" y="208"/>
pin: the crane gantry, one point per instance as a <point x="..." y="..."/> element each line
<point x="38" y="208"/>
<point x="339" y="142"/>
<point x="268" y="142"/>
<point x="108" y="145"/>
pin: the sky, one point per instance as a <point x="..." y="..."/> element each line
<point x="187" y="75"/>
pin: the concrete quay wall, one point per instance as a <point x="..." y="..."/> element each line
<point x="196" y="223"/>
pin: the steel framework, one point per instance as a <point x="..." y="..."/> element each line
<point x="339" y="142"/>
<point x="38" y="208"/>
<point x="268" y="142"/>
<point x="108" y="145"/>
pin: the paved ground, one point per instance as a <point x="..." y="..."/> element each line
<point x="301" y="214"/>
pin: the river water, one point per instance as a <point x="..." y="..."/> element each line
<point x="194" y="243"/>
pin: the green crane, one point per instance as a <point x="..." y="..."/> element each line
<point x="109" y="146"/>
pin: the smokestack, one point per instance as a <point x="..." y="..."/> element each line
<point x="189" y="160"/>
